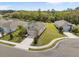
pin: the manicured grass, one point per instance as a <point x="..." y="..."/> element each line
<point x="48" y="35"/>
<point x="7" y="44"/>
<point x="76" y="32"/>
<point x="31" y="49"/>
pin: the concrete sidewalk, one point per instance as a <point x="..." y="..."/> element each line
<point x="9" y="42"/>
<point x="47" y="45"/>
<point x="25" y="44"/>
<point x="70" y="35"/>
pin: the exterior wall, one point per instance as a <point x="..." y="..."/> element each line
<point x="6" y="30"/>
<point x="0" y="35"/>
<point x="66" y="28"/>
<point x="66" y="25"/>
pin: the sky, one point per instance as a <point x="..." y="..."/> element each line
<point x="36" y="5"/>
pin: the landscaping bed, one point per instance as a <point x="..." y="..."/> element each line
<point x="16" y="36"/>
<point x="48" y="35"/>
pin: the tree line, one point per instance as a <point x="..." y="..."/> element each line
<point x="70" y="15"/>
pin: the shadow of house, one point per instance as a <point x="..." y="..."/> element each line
<point x="67" y="27"/>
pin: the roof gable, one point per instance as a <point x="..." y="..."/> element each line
<point x="62" y="23"/>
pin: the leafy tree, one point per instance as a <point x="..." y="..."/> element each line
<point x="61" y="29"/>
<point x="77" y="8"/>
<point x="70" y="15"/>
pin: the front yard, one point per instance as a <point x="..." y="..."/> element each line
<point x="16" y="36"/>
<point x="76" y="31"/>
<point x="48" y="35"/>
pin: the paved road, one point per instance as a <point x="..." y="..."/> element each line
<point x="70" y="35"/>
<point x="66" y="48"/>
<point x="25" y="44"/>
<point x="11" y="52"/>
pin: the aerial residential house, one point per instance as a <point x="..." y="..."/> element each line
<point x="65" y="25"/>
<point x="35" y="29"/>
<point x="3" y="29"/>
<point x="7" y="26"/>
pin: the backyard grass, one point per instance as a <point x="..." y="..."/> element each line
<point x="48" y="35"/>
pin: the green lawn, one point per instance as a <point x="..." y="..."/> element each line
<point x="18" y="35"/>
<point x="76" y="32"/>
<point x="41" y="49"/>
<point x="7" y="44"/>
<point x="48" y="35"/>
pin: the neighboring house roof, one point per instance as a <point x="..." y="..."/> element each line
<point x="62" y="23"/>
<point x="35" y="28"/>
<point x="11" y="24"/>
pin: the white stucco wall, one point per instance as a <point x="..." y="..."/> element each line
<point x="0" y="35"/>
<point x="66" y="28"/>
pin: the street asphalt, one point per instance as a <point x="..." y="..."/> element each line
<point x="66" y="48"/>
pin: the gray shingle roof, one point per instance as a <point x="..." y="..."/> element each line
<point x="35" y="29"/>
<point x="11" y="24"/>
<point x="62" y="23"/>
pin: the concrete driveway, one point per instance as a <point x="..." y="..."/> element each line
<point x="70" y="35"/>
<point x="25" y="44"/>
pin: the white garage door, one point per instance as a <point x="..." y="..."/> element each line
<point x="66" y="28"/>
